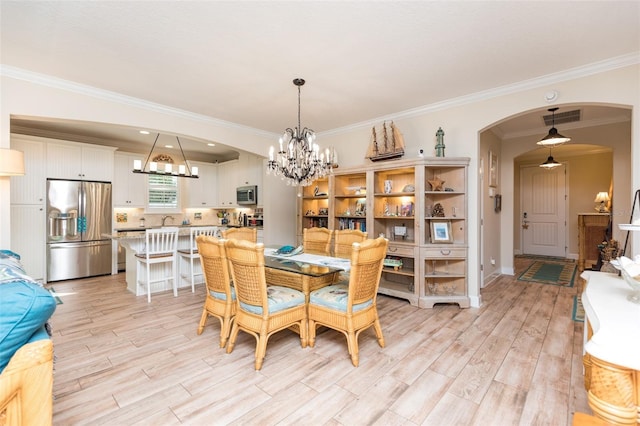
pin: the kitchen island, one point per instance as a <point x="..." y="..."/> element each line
<point x="133" y="241"/>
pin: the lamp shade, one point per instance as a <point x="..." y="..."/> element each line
<point x="602" y="197"/>
<point x="550" y="163"/>
<point x="11" y="162"/>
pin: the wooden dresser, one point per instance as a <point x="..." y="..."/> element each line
<point x="611" y="349"/>
<point x="591" y="232"/>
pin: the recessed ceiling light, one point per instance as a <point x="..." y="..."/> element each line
<point x="168" y="146"/>
<point x="144" y="132"/>
<point x="211" y="144"/>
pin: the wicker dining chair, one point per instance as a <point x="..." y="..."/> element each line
<point x="261" y="311"/>
<point x="317" y="240"/>
<point x="220" y="301"/>
<point x="246" y="234"/>
<point x="350" y="307"/>
<point x="343" y="240"/>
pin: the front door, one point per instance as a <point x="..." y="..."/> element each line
<point x="543" y="221"/>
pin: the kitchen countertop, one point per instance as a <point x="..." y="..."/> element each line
<point x="138" y="232"/>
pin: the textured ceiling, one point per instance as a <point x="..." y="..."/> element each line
<point x="362" y="60"/>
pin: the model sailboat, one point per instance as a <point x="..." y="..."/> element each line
<point x="386" y="144"/>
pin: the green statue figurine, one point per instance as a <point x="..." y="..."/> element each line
<point x="440" y="144"/>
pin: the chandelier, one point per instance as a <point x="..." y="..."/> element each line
<point x="299" y="159"/>
<point x="183" y="170"/>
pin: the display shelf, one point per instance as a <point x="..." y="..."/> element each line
<point x="443" y="251"/>
<point x="391" y="199"/>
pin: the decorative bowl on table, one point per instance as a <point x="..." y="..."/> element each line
<point x="630" y="271"/>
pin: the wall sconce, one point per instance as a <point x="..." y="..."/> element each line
<point x="11" y="162"/>
<point x="602" y="198"/>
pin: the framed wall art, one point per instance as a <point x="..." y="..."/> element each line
<point x="493" y="169"/>
<point x="441" y="231"/>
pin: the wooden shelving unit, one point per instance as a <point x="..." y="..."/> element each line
<point x="395" y="199"/>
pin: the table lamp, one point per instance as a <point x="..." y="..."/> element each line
<point x="602" y="198"/>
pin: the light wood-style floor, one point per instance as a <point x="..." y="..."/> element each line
<point x="514" y="361"/>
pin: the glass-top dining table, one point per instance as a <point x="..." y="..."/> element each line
<point x="305" y="271"/>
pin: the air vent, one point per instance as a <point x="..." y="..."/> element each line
<point x="562" y="117"/>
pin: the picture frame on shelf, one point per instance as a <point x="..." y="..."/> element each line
<point x="441" y="231"/>
<point x="406" y="209"/>
<point x="493" y="169"/>
<point x="361" y="207"/>
<point x="323" y="211"/>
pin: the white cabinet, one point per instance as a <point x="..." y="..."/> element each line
<point x="67" y="160"/>
<point x="129" y="189"/>
<point x="227" y="183"/>
<point x="202" y="192"/>
<point x="28" y="238"/>
<point x="28" y="200"/>
<point x="30" y="188"/>
<point x="250" y="172"/>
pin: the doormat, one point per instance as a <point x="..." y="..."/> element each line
<point x="541" y="257"/>
<point x="578" y="309"/>
<point x="55" y="296"/>
<point x="555" y="273"/>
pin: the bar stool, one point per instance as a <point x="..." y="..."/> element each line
<point x="191" y="254"/>
<point x="161" y="246"/>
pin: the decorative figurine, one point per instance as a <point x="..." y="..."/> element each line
<point x="440" y="144"/>
<point x="438" y="210"/>
<point x="436" y="184"/>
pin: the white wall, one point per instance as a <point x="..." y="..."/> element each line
<point x="462" y="121"/>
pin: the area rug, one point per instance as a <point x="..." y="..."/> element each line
<point x="55" y="295"/>
<point x="547" y="272"/>
<point x="578" y="309"/>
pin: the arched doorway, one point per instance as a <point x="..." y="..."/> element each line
<point x="601" y="129"/>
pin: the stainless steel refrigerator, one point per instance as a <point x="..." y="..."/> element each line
<point x="78" y="215"/>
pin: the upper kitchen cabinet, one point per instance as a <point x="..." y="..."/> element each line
<point x="202" y="192"/>
<point x="250" y="170"/>
<point x="30" y="188"/>
<point x="227" y="183"/>
<point x="129" y="189"/>
<point x="68" y="160"/>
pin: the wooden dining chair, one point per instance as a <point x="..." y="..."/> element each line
<point x="190" y="254"/>
<point x="220" y="301"/>
<point x="161" y="246"/>
<point x="317" y="240"/>
<point x="260" y="310"/>
<point x="350" y="307"/>
<point x="343" y="240"/>
<point x="246" y="234"/>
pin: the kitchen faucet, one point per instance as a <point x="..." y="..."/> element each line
<point x="165" y="218"/>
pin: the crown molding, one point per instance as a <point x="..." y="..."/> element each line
<point x="546" y="80"/>
<point x="70" y="86"/>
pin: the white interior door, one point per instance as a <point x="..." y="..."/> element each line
<point x="543" y="221"/>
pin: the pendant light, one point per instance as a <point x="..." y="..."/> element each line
<point x="553" y="138"/>
<point x="550" y="163"/>
<point x="184" y="170"/>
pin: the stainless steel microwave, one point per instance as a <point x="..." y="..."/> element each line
<point x="246" y="195"/>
